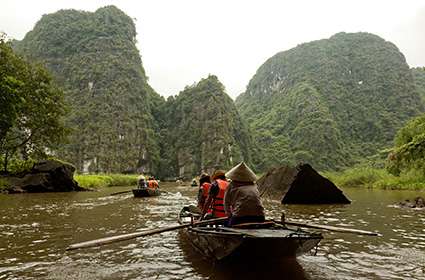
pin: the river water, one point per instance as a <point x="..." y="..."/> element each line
<point x="35" y="229"/>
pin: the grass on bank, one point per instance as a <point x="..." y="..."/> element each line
<point x="377" y="178"/>
<point x="105" y="180"/>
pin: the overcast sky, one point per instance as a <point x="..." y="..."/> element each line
<point x="183" y="41"/>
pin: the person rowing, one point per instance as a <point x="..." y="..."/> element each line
<point x="242" y="203"/>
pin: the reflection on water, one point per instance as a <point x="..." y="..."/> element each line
<point x="35" y="229"/>
<point x="246" y="269"/>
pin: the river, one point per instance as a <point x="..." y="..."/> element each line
<point x="35" y="229"/>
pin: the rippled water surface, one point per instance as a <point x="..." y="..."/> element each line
<point x="35" y="229"/>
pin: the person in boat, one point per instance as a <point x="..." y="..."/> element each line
<point x="194" y="184"/>
<point x="242" y="202"/>
<point x="141" y="182"/>
<point x="215" y="200"/>
<point x="152" y="183"/>
<point x="204" y="187"/>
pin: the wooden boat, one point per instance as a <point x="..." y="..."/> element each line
<point x="270" y="240"/>
<point x="145" y="192"/>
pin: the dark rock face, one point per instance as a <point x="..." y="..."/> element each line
<point x="418" y="202"/>
<point x="301" y="185"/>
<point x="277" y="181"/>
<point x="45" y="176"/>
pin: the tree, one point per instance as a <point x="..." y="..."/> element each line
<point x="409" y="150"/>
<point x="32" y="108"/>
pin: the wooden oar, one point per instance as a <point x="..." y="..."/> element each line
<point x="331" y="228"/>
<point x="121" y="192"/>
<point x="129" y="191"/>
<point x="108" y="240"/>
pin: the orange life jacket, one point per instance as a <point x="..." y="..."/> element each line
<point x="218" y="203"/>
<point x="152" y="184"/>
<point x="205" y="189"/>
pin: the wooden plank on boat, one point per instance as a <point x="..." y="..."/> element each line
<point x="264" y="232"/>
<point x="333" y="228"/>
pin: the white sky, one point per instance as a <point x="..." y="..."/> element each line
<point x="184" y="41"/>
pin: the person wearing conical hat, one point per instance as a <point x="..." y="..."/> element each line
<point x="215" y="200"/>
<point x="242" y="201"/>
<point x="141" y="181"/>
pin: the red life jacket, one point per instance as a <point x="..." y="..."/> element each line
<point x="218" y="203"/>
<point x="152" y="184"/>
<point x="205" y="189"/>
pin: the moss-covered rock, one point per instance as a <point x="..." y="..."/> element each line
<point x="45" y="176"/>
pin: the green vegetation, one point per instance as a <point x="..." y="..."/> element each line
<point x="105" y="180"/>
<point x="409" y="152"/>
<point x="32" y="109"/>
<point x="93" y="56"/>
<point x="419" y="79"/>
<point x="201" y="130"/>
<point x="377" y="178"/>
<point x="18" y="166"/>
<point x="4" y="185"/>
<point x="405" y="163"/>
<point x="330" y="103"/>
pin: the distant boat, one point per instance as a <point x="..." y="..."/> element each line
<point x="145" y="192"/>
<point x="269" y="240"/>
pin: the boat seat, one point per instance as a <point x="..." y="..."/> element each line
<point x="266" y="224"/>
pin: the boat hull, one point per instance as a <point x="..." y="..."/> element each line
<point x="272" y="243"/>
<point x="146" y="192"/>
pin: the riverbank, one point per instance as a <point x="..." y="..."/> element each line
<point x="95" y="181"/>
<point x="375" y="178"/>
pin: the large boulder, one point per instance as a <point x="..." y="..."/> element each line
<point x="45" y="176"/>
<point x="300" y="185"/>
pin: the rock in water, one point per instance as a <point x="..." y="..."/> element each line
<point x="418" y="202"/>
<point x="301" y="185"/>
<point x="46" y="176"/>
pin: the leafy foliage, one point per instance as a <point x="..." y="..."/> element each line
<point x="94" y="57"/>
<point x="419" y="79"/>
<point x="32" y="109"/>
<point x="202" y="131"/>
<point x="377" y="178"/>
<point x="409" y="151"/>
<point x="329" y="102"/>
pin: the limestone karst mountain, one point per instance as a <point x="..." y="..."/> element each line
<point x="204" y="130"/>
<point x="93" y="56"/>
<point x="329" y="102"/>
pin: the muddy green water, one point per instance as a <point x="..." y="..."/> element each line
<point x="35" y="229"/>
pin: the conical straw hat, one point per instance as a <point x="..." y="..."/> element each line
<point x="242" y="173"/>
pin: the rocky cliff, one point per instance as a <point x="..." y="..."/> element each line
<point x="204" y="131"/>
<point x="329" y="102"/>
<point x="93" y="56"/>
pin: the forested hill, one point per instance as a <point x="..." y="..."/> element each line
<point x="202" y="130"/>
<point x="419" y="79"/>
<point x="330" y="102"/>
<point x="93" y="56"/>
